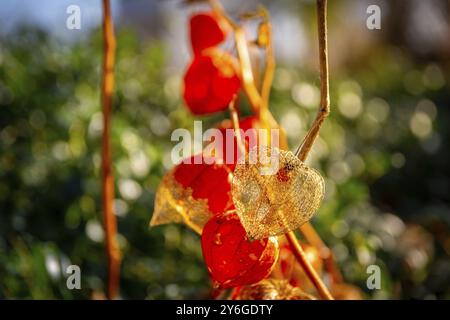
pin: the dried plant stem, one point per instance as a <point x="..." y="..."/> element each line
<point x="244" y="57"/>
<point x="218" y="9"/>
<point x="307" y="267"/>
<point x="246" y="70"/>
<point x="270" y="64"/>
<point x="109" y="219"/>
<point x="258" y="102"/>
<point x="235" y="122"/>
<point x="324" y="109"/>
<point x="314" y="239"/>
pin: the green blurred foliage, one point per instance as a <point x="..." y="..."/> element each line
<point x="385" y="134"/>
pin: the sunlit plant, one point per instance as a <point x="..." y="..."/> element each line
<point x="247" y="220"/>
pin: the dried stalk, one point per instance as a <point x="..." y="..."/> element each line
<point x="270" y="62"/>
<point x="109" y="219"/>
<point x="235" y="121"/>
<point x="246" y="70"/>
<point x="307" y="267"/>
<point x="248" y="80"/>
<point x="314" y="239"/>
<point x="324" y="109"/>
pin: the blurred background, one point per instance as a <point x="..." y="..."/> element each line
<point x="382" y="151"/>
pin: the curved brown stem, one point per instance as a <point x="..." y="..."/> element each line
<point x="314" y="239"/>
<point x="235" y="121"/>
<point x="219" y="10"/>
<point x="324" y="109"/>
<point x="109" y="219"/>
<point x="247" y="77"/>
<point x="270" y="60"/>
<point x="307" y="267"/>
<point x="246" y="70"/>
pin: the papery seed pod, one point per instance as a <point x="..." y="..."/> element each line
<point x="211" y="82"/>
<point x="232" y="259"/>
<point x="273" y="289"/>
<point x="344" y="291"/>
<point x="206" y="31"/>
<point x="192" y="193"/>
<point x="289" y="269"/>
<point x="274" y="192"/>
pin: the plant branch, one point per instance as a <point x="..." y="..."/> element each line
<point x="245" y="66"/>
<point x="324" y="109"/>
<point x="314" y="239"/>
<point x="235" y="121"/>
<point x="307" y="267"/>
<point x="270" y="59"/>
<point x="246" y="70"/>
<point x="220" y="11"/>
<point x="109" y="219"/>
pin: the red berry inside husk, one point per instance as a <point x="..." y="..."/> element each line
<point x="232" y="259"/>
<point x="211" y="82"/>
<point x="206" y="31"/>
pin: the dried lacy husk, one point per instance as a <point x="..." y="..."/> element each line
<point x="192" y="192"/>
<point x="273" y="289"/>
<point x="276" y="203"/>
<point x="174" y="203"/>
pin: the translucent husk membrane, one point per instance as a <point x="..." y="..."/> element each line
<point x="276" y="203"/>
<point x="174" y="203"/>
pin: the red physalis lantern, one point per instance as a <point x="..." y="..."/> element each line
<point x="232" y="259"/>
<point x="192" y="193"/>
<point x="211" y="82"/>
<point x="206" y="31"/>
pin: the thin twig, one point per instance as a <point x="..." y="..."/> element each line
<point x="246" y="70"/>
<point x="248" y="81"/>
<point x="235" y="121"/>
<point x="270" y="61"/>
<point x="314" y="239"/>
<point x="219" y="10"/>
<point x="307" y="267"/>
<point x="266" y="117"/>
<point x="109" y="219"/>
<point x="324" y="109"/>
<point x="259" y="107"/>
